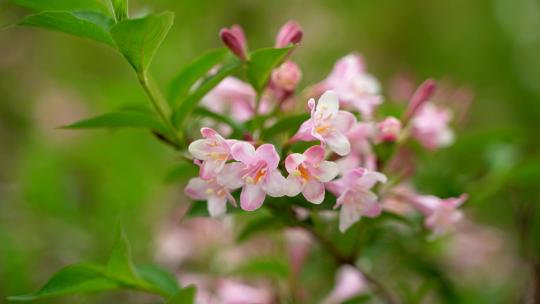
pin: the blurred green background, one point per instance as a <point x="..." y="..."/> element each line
<point x="62" y="192"/>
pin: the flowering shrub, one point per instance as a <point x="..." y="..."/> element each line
<point x="318" y="159"/>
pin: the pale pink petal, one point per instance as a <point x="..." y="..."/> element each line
<point x="349" y="283"/>
<point x="217" y="205"/>
<point x="336" y="187"/>
<point x="293" y="185"/>
<point x="353" y="175"/>
<point x="252" y="197"/>
<point x="343" y="121"/>
<point x="370" y="178"/>
<point x="314" y="155"/>
<point x="196" y="188"/>
<point x="304" y="133"/>
<point x="314" y="191"/>
<point x="293" y="161"/>
<point x="231" y="175"/>
<point x="208" y="132"/>
<point x="211" y="167"/>
<point x="372" y="210"/>
<point x="348" y="215"/>
<point x="338" y="143"/>
<point x="268" y="153"/>
<point x="275" y="184"/>
<point x="199" y="149"/>
<point x="243" y="151"/>
<point x="328" y="102"/>
<point x="327" y="171"/>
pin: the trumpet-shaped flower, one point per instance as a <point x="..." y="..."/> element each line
<point x="388" y="129"/>
<point x="213" y="150"/>
<point x="328" y="124"/>
<point x="430" y="126"/>
<point x="289" y="33"/>
<point x="308" y="172"/>
<point x="355" y="197"/>
<point x="355" y="87"/>
<point x="441" y="214"/>
<point x="215" y="193"/>
<point x="235" y="39"/>
<point x="257" y="173"/>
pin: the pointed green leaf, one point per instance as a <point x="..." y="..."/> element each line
<point x="288" y="125"/>
<point x="162" y="280"/>
<point x="90" y="25"/>
<point x="192" y="100"/>
<point x="139" y="39"/>
<point x="63" y="5"/>
<point x="120" y="266"/>
<point x="184" y="296"/>
<point x="238" y="128"/>
<point x="126" y="118"/>
<point x="199" y="68"/>
<point x="73" y="279"/>
<point x="261" y="64"/>
<point x="120" y="8"/>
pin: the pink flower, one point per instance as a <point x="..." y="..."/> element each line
<point x="212" y="191"/>
<point x="430" y="126"/>
<point x="308" y="172"/>
<point x="257" y="173"/>
<point x="327" y="124"/>
<point x="349" y="283"/>
<point x="388" y="129"/>
<point x="213" y="150"/>
<point x="235" y="97"/>
<point x="354" y="196"/>
<point x="286" y="76"/>
<point x="362" y="154"/>
<point x="424" y="92"/>
<point x="355" y="87"/>
<point x="441" y="214"/>
<point x="290" y="33"/>
<point x="235" y="40"/>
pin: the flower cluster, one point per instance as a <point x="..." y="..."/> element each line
<point x="344" y="128"/>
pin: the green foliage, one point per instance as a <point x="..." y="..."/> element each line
<point x="139" y="39"/>
<point x="238" y="128"/>
<point x="261" y="64"/>
<point x="120" y="265"/>
<point x="286" y="125"/>
<point x="181" y="172"/>
<point x="165" y="281"/>
<point x="263" y="268"/>
<point x="188" y="76"/>
<point x="184" y="296"/>
<point x="67" y="5"/>
<point x="90" y="25"/>
<point x="120" y="8"/>
<point x="259" y="224"/>
<point x="121" y="119"/>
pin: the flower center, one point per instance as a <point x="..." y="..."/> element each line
<point x="302" y="172"/>
<point x="256" y="173"/>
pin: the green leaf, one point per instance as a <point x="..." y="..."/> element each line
<point x="62" y="5"/>
<point x="364" y="298"/>
<point x="288" y="125"/>
<point x="186" y="78"/>
<point x="159" y="278"/>
<point x="90" y="25"/>
<point x="238" y="129"/>
<point x="263" y="267"/>
<point x="139" y="39"/>
<point x="261" y="64"/>
<point x="125" y="118"/>
<point x="190" y="102"/>
<point x="120" y="8"/>
<point x="263" y="223"/>
<point x="182" y="172"/>
<point x="120" y="266"/>
<point x="73" y="279"/>
<point x="184" y="296"/>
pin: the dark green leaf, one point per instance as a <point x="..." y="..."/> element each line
<point x="90" y="25"/>
<point x="190" y="102"/>
<point x="182" y="172"/>
<point x="159" y="278"/>
<point x="120" y="266"/>
<point x="238" y="128"/>
<point x="120" y="8"/>
<point x="64" y="5"/>
<point x="139" y="39"/>
<point x="184" y="296"/>
<point x="261" y="64"/>
<point x="192" y="72"/>
<point x="263" y="267"/>
<point x="263" y="223"/>
<point x="126" y="118"/>
<point x="78" y="278"/>
<point x="359" y="299"/>
<point x="288" y="125"/>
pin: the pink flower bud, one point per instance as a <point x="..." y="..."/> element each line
<point x="287" y="76"/>
<point x="235" y="40"/>
<point x="290" y="32"/>
<point x="421" y="95"/>
<point x="389" y="129"/>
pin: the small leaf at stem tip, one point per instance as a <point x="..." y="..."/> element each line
<point x="92" y="25"/>
<point x="159" y="278"/>
<point x="120" y="266"/>
<point x="120" y="119"/>
<point x="188" y="76"/>
<point x="261" y="64"/>
<point x="120" y="8"/>
<point x="139" y="39"/>
<point x="184" y="296"/>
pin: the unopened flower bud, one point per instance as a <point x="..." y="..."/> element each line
<point x="421" y="95"/>
<point x="287" y="76"/>
<point x="389" y="129"/>
<point x="235" y="40"/>
<point x="290" y="32"/>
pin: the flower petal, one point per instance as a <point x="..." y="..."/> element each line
<point x="314" y="155"/>
<point x="217" y="205"/>
<point x="343" y="121"/>
<point x="370" y="178"/>
<point x="348" y="215"/>
<point x="304" y="132"/>
<point x="314" y="191"/>
<point x="208" y="133"/>
<point x="243" y="152"/>
<point x="338" y="143"/>
<point x="293" y="185"/>
<point x="196" y="188"/>
<point x="328" y="102"/>
<point x="252" y="197"/>
<point x="293" y="161"/>
<point x="231" y="175"/>
<point x="211" y="167"/>
<point x="199" y="149"/>
<point x="275" y="184"/>
<point x="327" y="171"/>
<point x="268" y="153"/>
